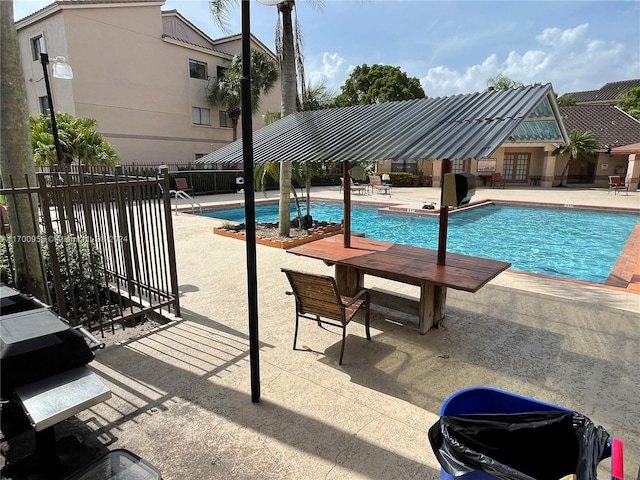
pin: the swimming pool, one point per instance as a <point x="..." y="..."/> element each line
<point x="562" y="242"/>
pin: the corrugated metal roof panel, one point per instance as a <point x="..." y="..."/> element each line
<point x="457" y="127"/>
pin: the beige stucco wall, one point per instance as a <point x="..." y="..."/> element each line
<point x="52" y="29"/>
<point x="607" y="164"/>
<point x="132" y="80"/>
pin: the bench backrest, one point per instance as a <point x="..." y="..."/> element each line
<point x="316" y="294"/>
<point x="375" y="180"/>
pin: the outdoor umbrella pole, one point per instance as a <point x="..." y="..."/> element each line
<point x="444" y="216"/>
<point x="346" y="181"/>
<point x="249" y="205"/>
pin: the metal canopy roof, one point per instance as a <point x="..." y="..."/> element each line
<point x="457" y="127"/>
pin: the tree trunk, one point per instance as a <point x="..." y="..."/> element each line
<point x="307" y="184"/>
<point x="289" y="92"/>
<point x="16" y="161"/>
<point x="564" y="171"/>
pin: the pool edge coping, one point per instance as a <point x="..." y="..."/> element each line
<point x="620" y="277"/>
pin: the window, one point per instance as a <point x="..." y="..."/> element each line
<point x="199" y="155"/>
<point x="44" y="105"/>
<point x="37" y="47"/>
<point x="457" y="166"/>
<point x="225" y="119"/>
<point x="220" y="71"/>
<point x="516" y="166"/>
<point x="197" y="69"/>
<point x="404" y="166"/>
<point x="200" y="116"/>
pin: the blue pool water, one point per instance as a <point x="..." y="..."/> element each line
<point x="578" y="244"/>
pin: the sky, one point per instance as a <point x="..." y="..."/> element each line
<point x="452" y="47"/>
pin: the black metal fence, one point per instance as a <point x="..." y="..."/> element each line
<point x="107" y="243"/>
<point x="214" y="179"/>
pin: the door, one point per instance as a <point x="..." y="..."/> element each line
<point x="516" y="167"/>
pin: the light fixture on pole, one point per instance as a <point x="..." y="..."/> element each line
<point x="61" y="69"/>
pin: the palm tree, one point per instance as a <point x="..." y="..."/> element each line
<point x="582" y="147"/>
<point x="289" y="51"/>
<point x="225" y="92"/>
<point x="80" y="141"/>
<point x="502" y="82"/>
<point x="318" y="97"/>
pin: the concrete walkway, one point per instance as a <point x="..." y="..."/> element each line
<point x="181" y="394"/>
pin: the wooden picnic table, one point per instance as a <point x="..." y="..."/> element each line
<point x="405" y="264"/>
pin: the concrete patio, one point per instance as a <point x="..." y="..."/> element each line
<point x="181" y="393"/>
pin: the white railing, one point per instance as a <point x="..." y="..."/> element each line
<point x="176" y="194"/>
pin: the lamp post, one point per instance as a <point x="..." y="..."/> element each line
<point x="249" y="198"/>
<point x="249" y="205"/>
<point x="61" y="69"/>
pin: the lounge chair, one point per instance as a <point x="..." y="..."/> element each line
<point x="497" y="180"/>
<point x="617" y="183"/>
<point x="181" y="184"/>
<point x="354" y="187"/>
<point x="376" y="184"/>
<point x="317" y="296"/>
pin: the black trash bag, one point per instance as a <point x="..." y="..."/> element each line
<point x="524" y="446"/>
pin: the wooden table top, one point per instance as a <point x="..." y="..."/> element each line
<point x="404" y="263"/>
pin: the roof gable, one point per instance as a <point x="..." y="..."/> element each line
<point x="457" y="127"/>
<point x="178" y="27"/>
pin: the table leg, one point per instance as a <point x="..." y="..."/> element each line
<point x="349" y="280"/>
<point x="46" y="447"/>
<point x="433" y="301"/>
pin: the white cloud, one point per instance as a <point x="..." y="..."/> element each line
<point x="441" y="81"/>
<point x="566" y="58"/>
<point x="557" y="37"/>
<point x="329" y="70"/>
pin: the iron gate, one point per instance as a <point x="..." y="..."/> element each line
<point x="108" y="247"/>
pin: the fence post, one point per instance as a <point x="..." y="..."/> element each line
<point x="51" y="245"/>
<point x="123" y="226"/>
<point x="171" y="246"/>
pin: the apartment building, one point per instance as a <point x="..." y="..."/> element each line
<point x="140" y="71"/>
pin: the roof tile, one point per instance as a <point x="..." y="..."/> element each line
<point x="612" y="126"/>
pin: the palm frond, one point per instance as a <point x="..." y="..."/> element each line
<point x="220" y="12"/>
<point x="298" y="44"/>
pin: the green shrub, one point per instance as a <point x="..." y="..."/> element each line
<point x="82" y="275"/>
<point x="398" y="179"/>
<point x="6" y="260"/>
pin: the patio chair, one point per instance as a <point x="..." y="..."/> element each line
<point x="317" y="296"/>
<point x="181" y="184"/>
<point x="497" y="180"/>
<point x="376" y="184"/>
<point x="354" y="187"/>
<point x="617" y="183"/>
